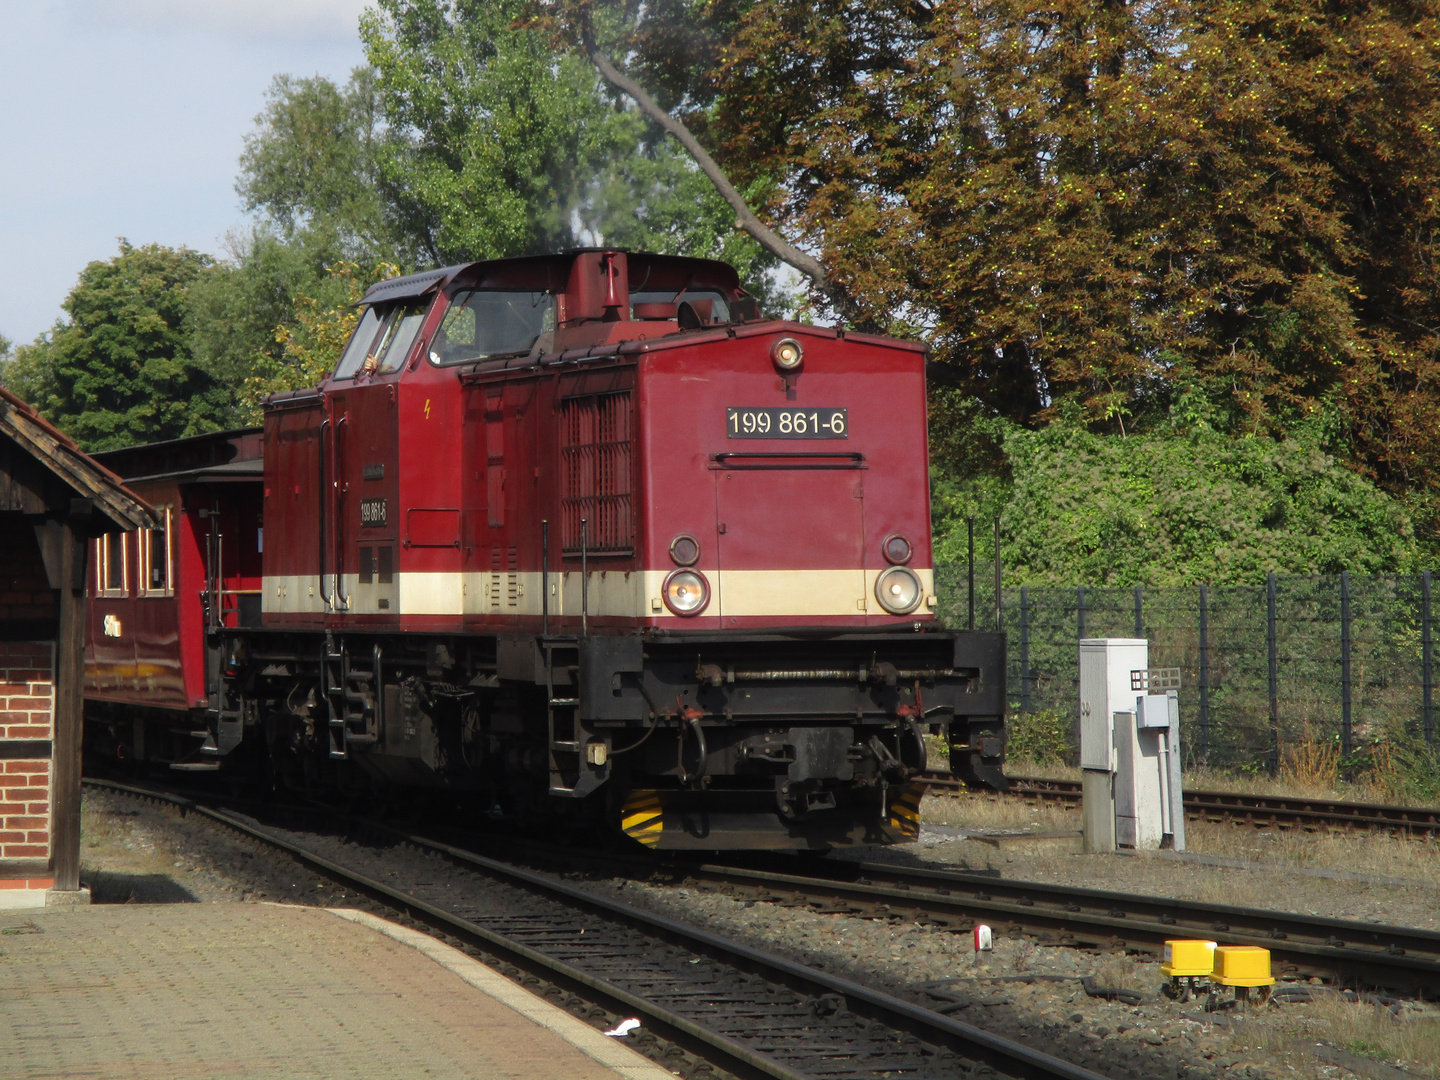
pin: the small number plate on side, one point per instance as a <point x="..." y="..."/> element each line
<point x="372" y="514"/>
<point x="767" y="423"/>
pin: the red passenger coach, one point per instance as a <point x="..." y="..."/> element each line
<point x="583" y="534"/>
<point x="157" y="596"/>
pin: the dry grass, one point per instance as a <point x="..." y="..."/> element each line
<point x="1310" y="777"/>
<point x="1122" y="973"/>
<point x="1048" y="771"/>
<point x="1408" y="1039"/>
<point x="1309" y="764"/>
<point x="1370" y="1031"/>
<point x="1359" y="852"/>
<point x="978" y="810"/>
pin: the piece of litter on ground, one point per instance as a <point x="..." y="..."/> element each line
<point x="624" y="1028"/>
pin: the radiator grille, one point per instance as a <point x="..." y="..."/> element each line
<point x="597" y="435"/>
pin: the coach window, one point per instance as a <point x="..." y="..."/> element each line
<point x="155" y="558"/>
<point x="485" y="323"/>
<point x="111" y="563"/>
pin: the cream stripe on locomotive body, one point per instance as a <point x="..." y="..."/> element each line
<point x="796" y="594"/>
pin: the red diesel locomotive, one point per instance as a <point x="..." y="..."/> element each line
<point x="582" y="534"/>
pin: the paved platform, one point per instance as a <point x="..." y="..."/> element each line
<point x="258" y="990"/>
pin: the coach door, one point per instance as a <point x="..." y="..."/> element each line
<point x="791" y="531"/>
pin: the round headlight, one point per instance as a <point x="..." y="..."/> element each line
<point x="686" y="592"/>
<point x="787" y="354"/>
<point x="898" y="590"/>
<point x="684" y="550"/>
<point x="897" y="549"/>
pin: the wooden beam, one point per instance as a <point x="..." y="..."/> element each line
<point x="69" y="701"/>
<point x="23" y="484"/>
<point x="7" y="455"/>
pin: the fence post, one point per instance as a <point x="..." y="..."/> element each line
<point x="1270" y="650"/>
<point x="1345" y="686"/>
<point x="1139" y="618"/>
<point x="1024" y="648"/>
<point x="970" y="538"/>
<point x="1427" y="656"/>
<point x="998" y="623"/>
<point x="1204" y="754"/>
<point x="1080" y="611"/>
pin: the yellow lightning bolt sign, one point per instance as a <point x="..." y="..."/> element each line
<point x="427" y="408"/>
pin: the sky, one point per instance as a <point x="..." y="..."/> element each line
<point x="127" y="118"/>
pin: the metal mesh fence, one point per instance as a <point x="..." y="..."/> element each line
<point x="1342" y="660"/>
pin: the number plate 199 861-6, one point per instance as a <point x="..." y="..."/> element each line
<point x="768" y="423"/>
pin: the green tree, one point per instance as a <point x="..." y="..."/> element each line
<point x="469" y="137"/>
<point x="308" y="343"/>
<point x="117" y="369"/>
<point x="491" y="135"/>
<point x="1104" y="203"/>
<point x="309" y="167"/>
<point x="237" y="304"/>
<point x="496" y="145"/>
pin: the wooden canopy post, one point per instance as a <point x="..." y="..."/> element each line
<point x="69" y="697"/>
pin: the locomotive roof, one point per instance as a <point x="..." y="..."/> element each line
<point x="549" y="272"/>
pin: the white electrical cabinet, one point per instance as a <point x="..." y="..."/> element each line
<point x="1105" y="666"/>
<point x="1157" y="723"/>
<point x="1129" y="749"/>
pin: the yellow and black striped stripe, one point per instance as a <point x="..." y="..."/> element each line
<point x="905" y="811"/>
<point x="641" y="818"/>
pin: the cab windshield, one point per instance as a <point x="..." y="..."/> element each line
<point x="382" y="341"/>
<point x="490" y="322"/>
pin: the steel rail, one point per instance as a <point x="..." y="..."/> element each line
<point x="1004" y="1055"/>
<point x="1280" y="811"/>
<point x="1390" y="957"/>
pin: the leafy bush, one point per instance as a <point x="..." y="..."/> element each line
<point x="1045" y="737"/>
<point x="1171" y="507"/>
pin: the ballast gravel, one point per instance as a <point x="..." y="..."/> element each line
<point x="1029" y="991"/>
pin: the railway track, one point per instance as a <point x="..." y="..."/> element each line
<point x="1262" y="811"/>
<point x="1352" y="954"/>
<point x="734" y="1007"/>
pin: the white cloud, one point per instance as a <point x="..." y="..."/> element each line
<point x="329" y="19"/>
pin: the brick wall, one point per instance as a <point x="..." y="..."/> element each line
<point x="27" y="711"/>
<point x="25" y="593"/>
